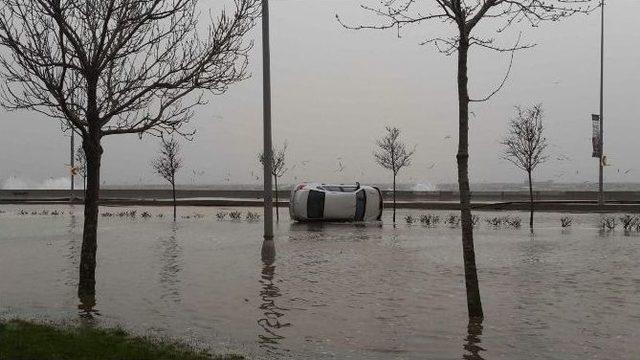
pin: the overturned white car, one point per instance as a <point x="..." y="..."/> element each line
<point x="322" y="202"/>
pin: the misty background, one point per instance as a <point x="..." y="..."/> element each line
<point x="334" y="91"/>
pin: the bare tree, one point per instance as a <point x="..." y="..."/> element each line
<point x="81" y="166"/>
<point x="464" y="17"/>
<point x="167" y="165"/>
<point x="113" y="67"/>
<point x="278" y="168"/>
<point x="393" y="155"/>
<point x="525" y="144"/>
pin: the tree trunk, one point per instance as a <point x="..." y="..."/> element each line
<point x="394" y="199"/>
<point x="93" y="151"/>
<point x="474" y="303"/>
<point x="530" y="201"/>
<point x="275" y="178"/>
<point x="173" y="191"/>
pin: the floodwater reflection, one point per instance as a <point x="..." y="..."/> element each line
<point x="73" y="251"/>
<point x="171" y="264"/>
<point x="334" y="231"/>
<point x="271" y="320"/>
<point x="472" y="341"/>
<point x="87" y="309"/>
<point x="313" y="227"/>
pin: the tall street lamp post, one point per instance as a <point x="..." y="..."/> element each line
<point x="72" y="162"/>
<point x="266" y="115"/>
<point x="601" y="162"/>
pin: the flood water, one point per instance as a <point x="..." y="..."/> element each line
<point x="334" y="291"/>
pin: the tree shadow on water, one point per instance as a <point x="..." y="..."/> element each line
<point x="272" y="314"/>
<point x="472" y="341"/>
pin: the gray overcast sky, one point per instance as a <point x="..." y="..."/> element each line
<point x="334" y="90"/>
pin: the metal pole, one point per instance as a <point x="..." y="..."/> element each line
<point x="72" y="152"/>
<point x="268" y="149"/>
<point x="601" y="169"/>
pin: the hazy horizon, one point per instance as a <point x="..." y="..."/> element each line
<point x="334" y="91"/>
<point x="63" y="183"/>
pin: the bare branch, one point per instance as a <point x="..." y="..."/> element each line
<point x="525" y="144"/>
<point x="169" y="161"/>
<point x="392" y="153"/>
<point x="278" y="160"/>
<point x="511" y="50"/>
<point x="81" y="162"/>
<point x="119" y="66"/>
<point x="466" y="15"/>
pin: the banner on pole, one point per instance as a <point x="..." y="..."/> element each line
<point x="595" y="137"/>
